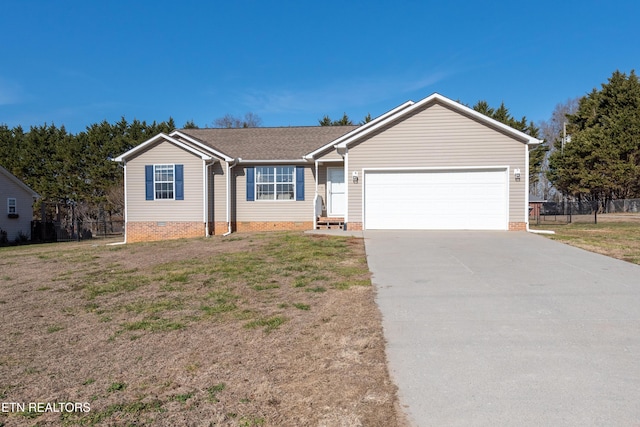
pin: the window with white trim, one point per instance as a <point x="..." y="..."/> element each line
<point x="164" y="181"/>
<point x="12" y="205"/>
<point x="275" y="183"/>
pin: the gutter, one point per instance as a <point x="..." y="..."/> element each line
<point x="526" y="207"/>
<point x="300" y="161"/>
<point x="235" y="162"/>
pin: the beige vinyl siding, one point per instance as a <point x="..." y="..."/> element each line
<point x="276" y="210"/>
<point x="219" y="191"/>
<point x="331" y="154"/>
<point x="217" y="187"/>
<point x="437" y="137"/>
<point x="189" y="209"/>
<point x="24" y="208"/>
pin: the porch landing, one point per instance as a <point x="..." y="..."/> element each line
<point x="329" y="223"/>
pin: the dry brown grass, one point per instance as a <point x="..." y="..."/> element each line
<point x="273" y="329"/>
<point x="617" y="236"/>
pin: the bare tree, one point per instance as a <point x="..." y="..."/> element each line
<point x="250" y="120"/>
<point x="552" y="132"/>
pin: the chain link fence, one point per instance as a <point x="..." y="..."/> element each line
<point x="583" y="211"/>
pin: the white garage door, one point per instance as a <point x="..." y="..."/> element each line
<point x="436" y="200"/>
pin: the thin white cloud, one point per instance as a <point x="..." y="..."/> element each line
<point x="338" y="95"/>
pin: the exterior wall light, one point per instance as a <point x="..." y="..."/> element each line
<point x="516" y="174"/>
<point x="354" y="177"/>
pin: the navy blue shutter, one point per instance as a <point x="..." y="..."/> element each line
<point x="179" y="175"/>
<point x="148" y="181"/>
<point x="299" y="183"/>
<point x="250" y="172"/>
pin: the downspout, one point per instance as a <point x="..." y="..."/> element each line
<point x="315" y="199"/>
<point x="229" y="167"/>
<point x="526" y="187"/>
<point x="126" y="205"/>
<point x="206" y="197"/>
<point x="526" y="204"/>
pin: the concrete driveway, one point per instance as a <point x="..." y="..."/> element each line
<point x="507" y="329"/>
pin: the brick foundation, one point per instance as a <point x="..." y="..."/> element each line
<point x="517" y="226"/>
<point x="272" y="226"/>
<point x="149" y="231"/>
<point x="354" y="226"/>
<point x="219" y="228"/>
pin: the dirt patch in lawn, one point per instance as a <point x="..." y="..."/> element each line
<point x="274" y="329"/>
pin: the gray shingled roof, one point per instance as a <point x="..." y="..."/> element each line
<point x="285" y="143"/>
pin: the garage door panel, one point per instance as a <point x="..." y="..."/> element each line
<point x="474" y="200"/>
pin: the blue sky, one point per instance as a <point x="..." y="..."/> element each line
<point x="75" y="63"/>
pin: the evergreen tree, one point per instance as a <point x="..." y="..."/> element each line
<point x="602" y="160"/>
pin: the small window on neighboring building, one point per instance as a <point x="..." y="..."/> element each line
<point x="12" y="207"/>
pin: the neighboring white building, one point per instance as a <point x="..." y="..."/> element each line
<point x="16" y="205"/>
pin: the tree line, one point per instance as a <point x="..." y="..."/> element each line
<point x="599" y="159"/>
<point x="67" y="169"/>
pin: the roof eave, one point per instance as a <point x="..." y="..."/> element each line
<point x="436" y="97"/>
<point x="19" y="183"/>
<point x="274" y="161"/>
<point x="193" y="140"/>
<point x="123" y="157"/>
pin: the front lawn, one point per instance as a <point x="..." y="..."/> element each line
<point x="272" y="329"/>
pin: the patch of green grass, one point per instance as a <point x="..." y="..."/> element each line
<point x="214" y="390"/>
<point x="269" y="324"/>
<point x="100" y="417"/>
<point x="182" y="397"/>
<point x="265" y="287"/>
<point x="301" y="281"/>
<point x="251" y="421"/>
<point x="177" y="277"/>
<point x="218" y="308"/>
<point x="317" y="289"/>
<point x="301" y="306"/>
<point x="117" y="386"/>
<point x="116" y="283"/>
<point x="91" y="307"/>
<point x="54" y="328"/>
<point x="347" y="284"/>
<point x="63" y="277"/>
<point x="153" y="324"/>
<point x="43" y="288"/>
<point x="89" y="381"/>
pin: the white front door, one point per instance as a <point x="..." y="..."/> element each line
<point x="336" y="197"/>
